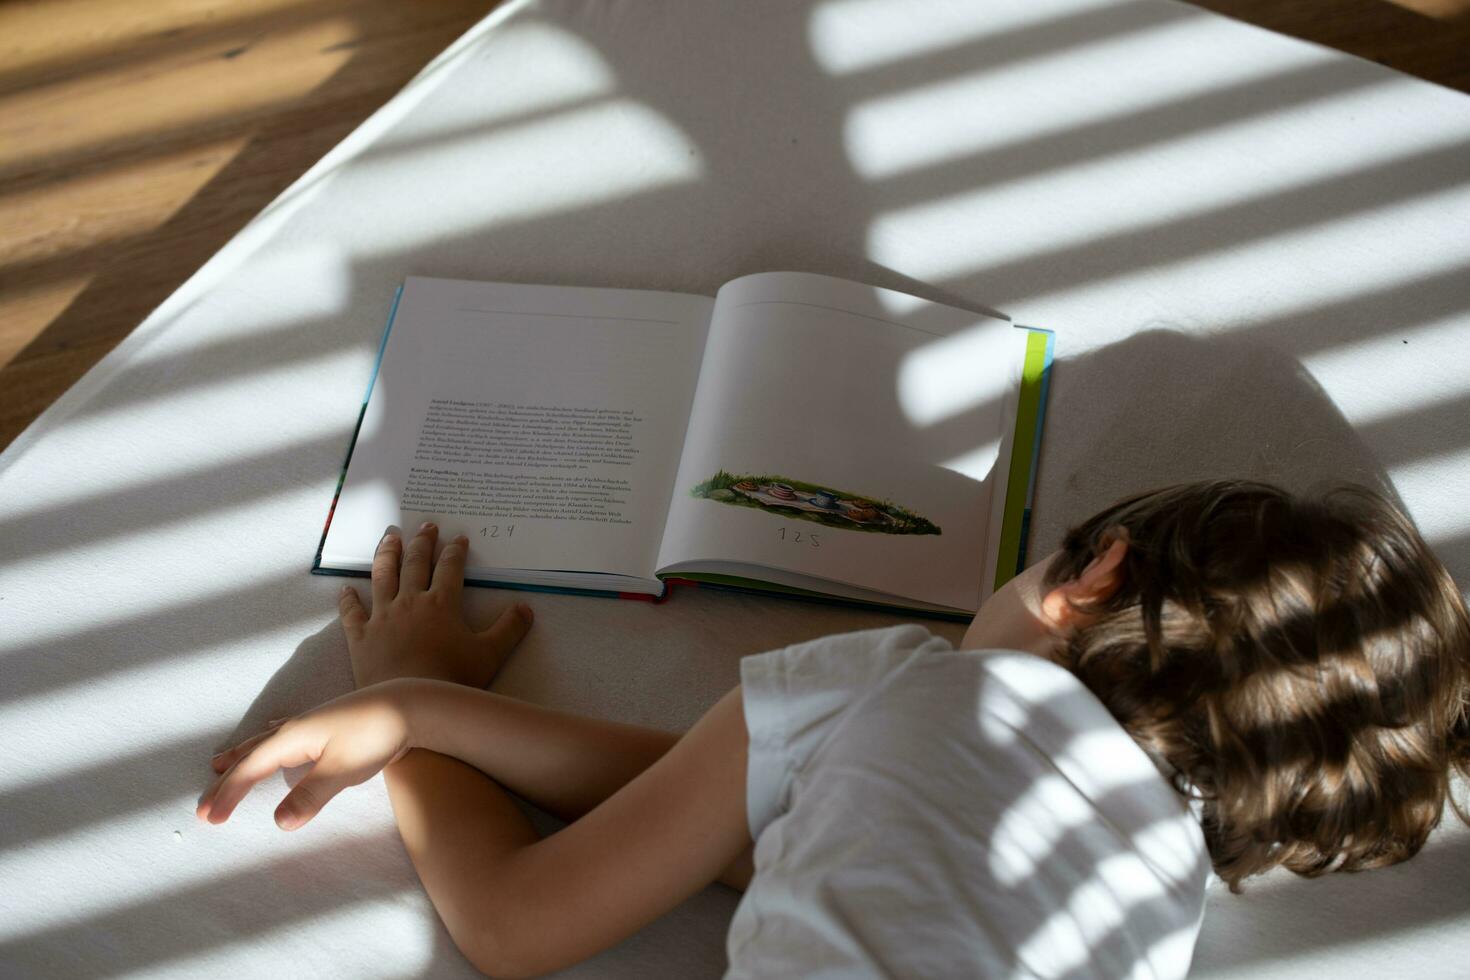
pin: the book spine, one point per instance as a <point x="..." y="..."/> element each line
<point x="516" y="586"/>
<point x="316" y="564"/>
<point x="826" y="600"/>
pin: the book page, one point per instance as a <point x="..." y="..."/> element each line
<point x="543" y="422"/>
<point x="846" y="433"/>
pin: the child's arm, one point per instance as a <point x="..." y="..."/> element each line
<point x="514" y="904"/>
<point x="561" y="763"/>
<point x="518" y="906"/>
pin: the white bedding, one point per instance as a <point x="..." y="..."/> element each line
<point x="1254" y="252"/>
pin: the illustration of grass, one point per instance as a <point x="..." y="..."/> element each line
<point x="813" y="502"/>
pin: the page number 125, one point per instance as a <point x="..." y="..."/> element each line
<point x="800" y="537"/>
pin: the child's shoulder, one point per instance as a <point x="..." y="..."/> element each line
<point x="862" y="651"/>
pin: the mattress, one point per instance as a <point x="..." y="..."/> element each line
<point x="1254" y="253"/>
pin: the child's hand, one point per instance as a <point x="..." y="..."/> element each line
<point x="347" y="740"/>
<point x="416" y="628"/>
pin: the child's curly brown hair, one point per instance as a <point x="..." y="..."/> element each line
<point x="1302" y="664"/>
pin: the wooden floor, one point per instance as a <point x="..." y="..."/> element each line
<point x="137" y="137"/>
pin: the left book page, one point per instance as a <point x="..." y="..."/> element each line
<point x="543" y="422"/>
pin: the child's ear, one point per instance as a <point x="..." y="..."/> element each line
<point x="1064" y="607"/>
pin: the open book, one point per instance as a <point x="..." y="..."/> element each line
<point x="796" y="434"/>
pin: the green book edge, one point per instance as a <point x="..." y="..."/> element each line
<point x="1025" y="452"/>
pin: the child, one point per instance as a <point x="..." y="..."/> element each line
<point x="1296" y="670"/>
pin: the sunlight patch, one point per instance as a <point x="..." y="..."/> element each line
<point x="556" y="166"/>
<point x="849" y="36"/>
<point x="553" y="69"/>
<point x="1425" y="486"/>
<point x="96" y="872"/>
<point x="102" y="577"/>
<point x="1396" y="373"/>
<point x="250" y="301"/>
<point x="385" y="944"/>
<point x="950" y="375"/>
<point x="977" y="463"/>
<point x="1117" y="200"/>
<point x="989" y="110"/>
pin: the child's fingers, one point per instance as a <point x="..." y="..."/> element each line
<point x="206" y="799"/>
<point x="201" y="809"/>
<point x="229" y="790"/>
<point x="311" y="794"/>
<point x="508" y="629"/>
<point x="449" y="573"/>
<point x="417" y="560"/>
<point x="229" y="757"/>
<point x="385" y="568"/>
<point x="280" y="750"/>
<point x="350" y="610"/>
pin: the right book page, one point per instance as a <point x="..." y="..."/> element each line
<point x="848" y="440"/>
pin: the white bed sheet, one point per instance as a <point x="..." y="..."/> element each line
<point x="1254" y="252"/>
